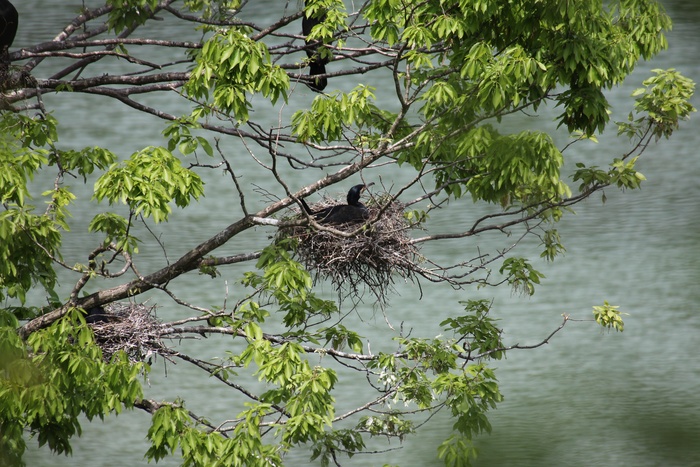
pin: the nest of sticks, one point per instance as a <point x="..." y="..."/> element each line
<point x="370" y="260"/>
<point x="131" y="327"/>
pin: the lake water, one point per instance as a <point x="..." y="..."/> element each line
<point x="588" y="398"/>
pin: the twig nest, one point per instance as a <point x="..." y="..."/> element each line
<point x="368" y="260"/>
<point x="131" y="327"/>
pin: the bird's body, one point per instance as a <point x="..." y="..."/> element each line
<point x="342" y="214"/>
<point x="9" y="19"/>
<point x="352" y="212"/>
<point x="97" y="315"/>
<point x="317" y="62"/>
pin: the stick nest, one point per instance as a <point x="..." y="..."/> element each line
<point x="131" y="327"/>
<point x="366" y="261"/>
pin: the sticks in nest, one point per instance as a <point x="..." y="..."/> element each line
<point x="131" y="327"/>
<point x="366" y="261"/>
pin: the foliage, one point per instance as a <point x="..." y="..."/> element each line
<point x="609" y="316"/>
<point x="55" y="377"/>
<point x="434" y="81"/>
<point x="148" y="183"/>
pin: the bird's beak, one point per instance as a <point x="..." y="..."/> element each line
<point x="367" y="186"/>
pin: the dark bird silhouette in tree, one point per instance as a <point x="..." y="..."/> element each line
<point x="317" y="62"/>
<point x="352" y="212"/>
<point x="97" y="315"/>
<point x="9" y="19"/>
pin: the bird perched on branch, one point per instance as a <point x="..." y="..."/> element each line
<point x="352" y="212"/>
<point x="9" y="19"/>
<point x="317" y="61"/>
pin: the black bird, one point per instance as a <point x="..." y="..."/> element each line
<point x="317" y="62"/>
<point x="97" y="315"/>
<point x="352" y="212"/>
<point x="9" y="19"/>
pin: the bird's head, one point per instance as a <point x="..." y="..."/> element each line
<point x="355" y="192"/>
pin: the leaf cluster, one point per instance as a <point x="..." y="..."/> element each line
<point x="231" y="65"/>
<point x="148" y="182"/>
<point x="56" y="377"/>
<point x="609" y="316"/>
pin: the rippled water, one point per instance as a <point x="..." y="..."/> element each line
<point x="587" y="398"/>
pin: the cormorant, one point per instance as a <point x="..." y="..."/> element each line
<point x="317" y="62"/>
<point x="8" y="26"/>
<point x="97" y="315"/>
<point x="352" y="212"/>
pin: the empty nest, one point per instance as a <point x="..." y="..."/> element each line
<point x="131" y="327"/>
<point x="366" y="261"/>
